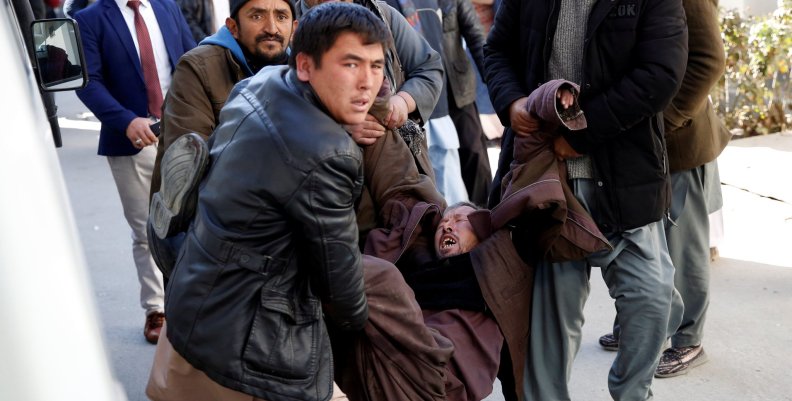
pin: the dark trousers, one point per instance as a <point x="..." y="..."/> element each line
<point x="473" y="157"/>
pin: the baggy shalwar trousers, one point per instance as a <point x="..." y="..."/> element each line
<point x="640" y="278"/>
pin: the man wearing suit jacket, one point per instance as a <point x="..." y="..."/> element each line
<point x="131" y="48"/>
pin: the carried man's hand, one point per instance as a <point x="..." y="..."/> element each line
<point x="565" y="97"/>
<point x="367" y="132"/>
<point x="140" y="134"/>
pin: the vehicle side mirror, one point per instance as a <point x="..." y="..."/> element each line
<point x="60" y="62"/>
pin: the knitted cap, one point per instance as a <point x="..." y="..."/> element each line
<point x="235" y="5"/>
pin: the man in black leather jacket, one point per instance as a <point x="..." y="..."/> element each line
<point x="273" y="245"/>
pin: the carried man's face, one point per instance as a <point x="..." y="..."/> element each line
<point x="264" y="30"/>
<point x="455" y="235"/>
<point x="347" y="79"/>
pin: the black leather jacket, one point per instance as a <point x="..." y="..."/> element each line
<point x="272" y="246"/>
<point x="634" y="58"/>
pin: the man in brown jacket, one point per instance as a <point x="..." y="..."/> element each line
<point x="695" y="137"/>
<point x="256" y="34"/>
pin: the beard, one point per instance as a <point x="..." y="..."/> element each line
<point x="262" y="59"/>
<point x="258" y="59"/>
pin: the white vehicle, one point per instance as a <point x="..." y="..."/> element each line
<point x="51" y="346"/>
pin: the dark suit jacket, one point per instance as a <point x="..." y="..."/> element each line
<point x="116" y="91"/>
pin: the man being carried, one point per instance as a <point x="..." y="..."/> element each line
<point x="468" y="274"/>
<point x="452" y="303"/>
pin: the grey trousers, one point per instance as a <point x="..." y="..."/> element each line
<point x="696" y="193"/>
<point x="687" y="232"/>
<point x="640" y="278"/>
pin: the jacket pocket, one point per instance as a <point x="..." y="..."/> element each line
<point x="284" y="337"/>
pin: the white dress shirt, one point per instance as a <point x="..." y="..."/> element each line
<point x="157" y="42"/>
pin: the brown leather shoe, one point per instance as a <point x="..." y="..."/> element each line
<point x="153" y="326"/>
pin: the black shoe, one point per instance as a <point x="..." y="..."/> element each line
<point x="679" y="361"/>
<point x="183" y="166"/>
<point x="609" y="342"/>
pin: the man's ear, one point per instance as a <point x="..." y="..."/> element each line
<point x="231" y="24"/>
<point x="305" y="66"/>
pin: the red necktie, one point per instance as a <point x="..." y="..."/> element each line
<point x="153" y="90"/>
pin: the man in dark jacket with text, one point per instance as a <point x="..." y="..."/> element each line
<point x="695" y="137"/>
<point x="628" y="58"/>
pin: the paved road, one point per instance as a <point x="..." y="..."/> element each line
<point x="107" y="243"/>
<point x="748" y="335"/>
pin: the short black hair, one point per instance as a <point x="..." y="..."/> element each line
<point x="319" y="28"/>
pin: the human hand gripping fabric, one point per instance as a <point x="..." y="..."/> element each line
<point x="400" y="105"/>
<point x="521" y="120"/>
<point x="367" y="132"/>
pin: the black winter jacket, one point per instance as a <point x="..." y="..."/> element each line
<point x="272" y="246"/>
<point x="635" y="52"/>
